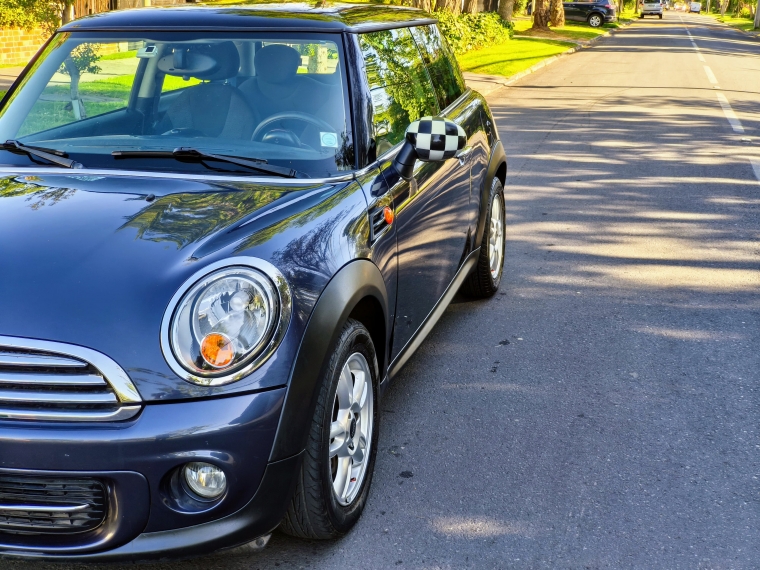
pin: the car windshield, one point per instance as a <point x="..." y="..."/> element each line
<point x="279" y="98"/>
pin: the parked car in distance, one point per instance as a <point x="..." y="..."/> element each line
<point x="695" y="7"/>
<point x="225" y="230"/>
<point x="651" y="8"/>
<point x="593" y="12"/>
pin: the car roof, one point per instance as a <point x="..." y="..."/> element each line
<point x="254" y="17"/>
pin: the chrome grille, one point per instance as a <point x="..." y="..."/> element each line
<point x="46" y="381"/>
<point x="35" y="505"/>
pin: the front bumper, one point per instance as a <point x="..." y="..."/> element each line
<point x="135" y="460"/>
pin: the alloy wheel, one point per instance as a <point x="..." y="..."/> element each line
<point x="351" y="429"/>
<point x="496" y="238"/>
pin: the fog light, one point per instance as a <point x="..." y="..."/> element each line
<point x="205" y="480"/>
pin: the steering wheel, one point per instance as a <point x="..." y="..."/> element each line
<point x="264" y="126"/>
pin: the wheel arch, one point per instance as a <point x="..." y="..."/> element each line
<point x="497" y="168"/>
<point x="356" y="291"/>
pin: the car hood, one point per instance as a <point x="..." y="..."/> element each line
<point x="94" y="260"/>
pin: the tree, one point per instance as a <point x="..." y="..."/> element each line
<point x="757" y="15"/>
<point x="81" y="60"/>
<point x="470" y="7"/>
<point x="541" y="15"/>
<point x="505" y="9"/>
<point x="453" y="6"/>
<point x="556" y="13"/>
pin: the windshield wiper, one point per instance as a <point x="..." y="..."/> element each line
<point x="192" y="153"/>
<point x="49" y="154"/>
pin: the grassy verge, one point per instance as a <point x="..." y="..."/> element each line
<point x="576" y="31"/>
<point x="744" y="24"/>
<point x="511" y="57"/>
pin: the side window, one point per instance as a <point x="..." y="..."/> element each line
<point x="95" y="79"/>
<point x="399" y="83"/>
<point x="441" y="64"/>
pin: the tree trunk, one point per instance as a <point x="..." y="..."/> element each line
<point x="470" y="7"/>
<point x="68" y="13"/>
<point x="723" y="7"/>
<point x="757" y="15"/>
<point x="556" y="13"/>
<point x="423" y="5"/>
<point x="453" y="6"/>
<point x="541" y="15"/>
<point x="507" y="6"/>
<point x="77" y="107"/>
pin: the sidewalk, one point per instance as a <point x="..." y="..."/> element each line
<point x="8" y="75"/>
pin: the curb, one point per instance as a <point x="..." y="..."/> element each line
<point x="499" y="81"/>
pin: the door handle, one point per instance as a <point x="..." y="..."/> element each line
<point x="464" y="154"/>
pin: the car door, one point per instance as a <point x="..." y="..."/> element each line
<point x="572" y="11"/>
<point x="432" y="208"/>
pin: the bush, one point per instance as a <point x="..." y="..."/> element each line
<point x="466" y="32"/>
<point x="28" y="14"/>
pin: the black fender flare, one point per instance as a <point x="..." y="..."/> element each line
<point x="352" y="283"/>
<point x="498" y="157"/>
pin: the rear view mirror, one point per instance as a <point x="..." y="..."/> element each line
<point x="430" y="139"/>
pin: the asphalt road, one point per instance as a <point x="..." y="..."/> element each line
<point x="602" y="410"/>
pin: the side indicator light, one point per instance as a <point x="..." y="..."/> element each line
<point x="388" y="215"/>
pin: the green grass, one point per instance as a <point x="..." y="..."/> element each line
<point x="511" y="57"/>
<point x="119" y="55"/>
<point x="746" y="24"/>
<point x="571" y="31"/>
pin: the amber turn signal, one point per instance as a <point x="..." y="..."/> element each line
<point x="388" y="215"/>
<point x="217" y="350"/>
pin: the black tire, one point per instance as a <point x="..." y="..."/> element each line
<point x="481" y="283"/>
<point x="595" y="20"/>
<point x="660" y="16"/>
<point x="314" y="511"/>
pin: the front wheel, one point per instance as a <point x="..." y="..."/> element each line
<point x="660" y="16"/>
<point x="335" y="476"/>
<point x="595" y="20"/>
<point x="484" y="280"/>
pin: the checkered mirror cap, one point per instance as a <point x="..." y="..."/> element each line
<point x="435" y="138"/>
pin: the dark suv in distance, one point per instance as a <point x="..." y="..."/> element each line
<point x="224" y="231"/>
<point x="595" y="13"/>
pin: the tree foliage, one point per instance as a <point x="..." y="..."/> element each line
<point x="466" y="32"/>
<point x="29" y="14"/>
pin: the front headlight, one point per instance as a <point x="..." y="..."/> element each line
<point x="226" y="323"/>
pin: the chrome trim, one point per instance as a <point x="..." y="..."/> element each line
<point x="28" y="397"/>
<point x="45" y="508"/>
<point x="283" y="319"/>
<point x="36" y="379"/>
<point x="113" y="373"/>
<point x="115" y="415"/>
<point x="80" y="172"/>
<point x="41" y="360"/>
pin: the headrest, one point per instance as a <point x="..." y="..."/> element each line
<point x="202" y="61"/>
<point x="276" y="63"/>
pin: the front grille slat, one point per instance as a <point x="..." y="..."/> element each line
<point x="53" y="382"/>
<point x="35" y="505"/>
<point x="15" y="359"/>
<point x="36" y="379"/>
<point x="36" y="397"/>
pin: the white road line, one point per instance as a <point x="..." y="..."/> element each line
<point x="701" y="58"/>
<point x="756" y="167"/>
<point x="711" y="75"/>
<point x="733" y="120"/>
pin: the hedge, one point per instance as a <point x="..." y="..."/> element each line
<point x="466" y="32"/>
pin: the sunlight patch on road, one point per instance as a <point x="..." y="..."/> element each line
<point x="479" y="527"/>
<point x="687" y="334"/>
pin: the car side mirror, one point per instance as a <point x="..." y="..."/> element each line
<point x="430" y="139"/>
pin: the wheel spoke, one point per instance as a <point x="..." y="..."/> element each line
<point x="340" y="483"/>
<point x="337" y="428"/>
<point x="345" y="390"/>
<point x="360" y="388"/>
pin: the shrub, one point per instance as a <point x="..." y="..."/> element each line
<point x="466" y="32"/>
<point x="28" y="14"/>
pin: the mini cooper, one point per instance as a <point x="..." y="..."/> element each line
<point x="223" y="232"/>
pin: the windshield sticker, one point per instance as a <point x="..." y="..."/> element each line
<point x="147" y="51"/>
<point x="329" y="140"/>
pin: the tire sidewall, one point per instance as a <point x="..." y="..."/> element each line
<point x="497" y="193"/>
<point x="342" y="518"/>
